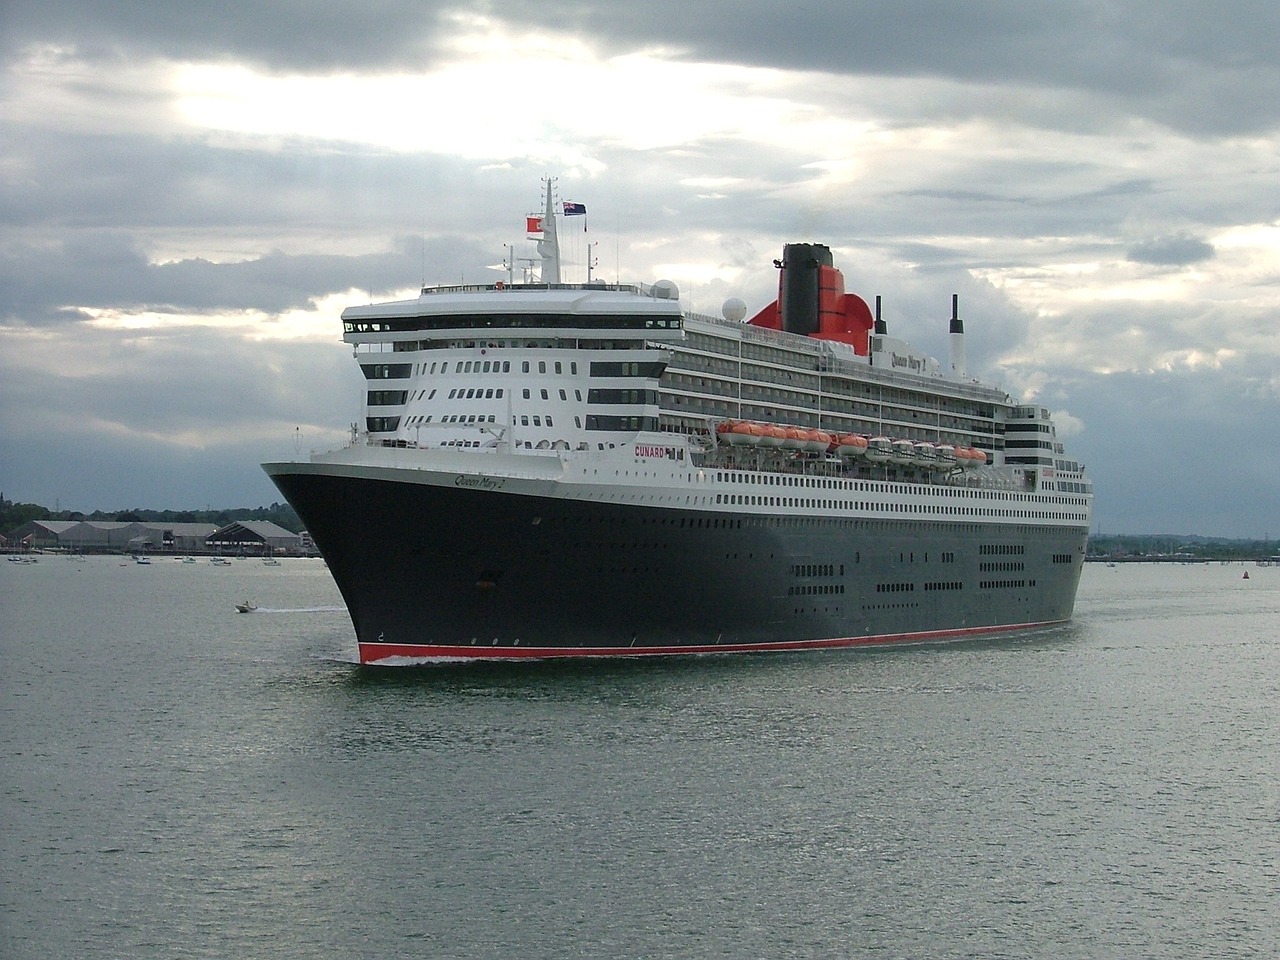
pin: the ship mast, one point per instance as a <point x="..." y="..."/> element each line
<point x="549" y="244"/>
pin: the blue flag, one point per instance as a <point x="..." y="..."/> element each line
<point x="572" y="209"/>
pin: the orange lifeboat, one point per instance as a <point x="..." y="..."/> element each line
<point x="793" y="438"/>
<point x="817" y="441"/>
<point x="740" y="433"/>
<point x="849" y="445"/>
<point x="772" y="436"/>
<point x="754" y="432"/>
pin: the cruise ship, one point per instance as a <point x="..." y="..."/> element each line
<point x="548" y="469"/>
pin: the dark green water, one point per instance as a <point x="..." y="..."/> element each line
<point x="178" y="780"/>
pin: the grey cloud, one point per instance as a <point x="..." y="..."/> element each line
<point x="1143" y="480"/>
<point x="327" y="35"/>
<point x="1175" y="62"/>
<point x="107" y="270"/>
<point x="1177" y="250"/>
<point x="169" y="417"/>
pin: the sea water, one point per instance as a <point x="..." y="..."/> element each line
<point x="180" y="780"/>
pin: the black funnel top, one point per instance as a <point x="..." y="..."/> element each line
<point x="799" y="294"/>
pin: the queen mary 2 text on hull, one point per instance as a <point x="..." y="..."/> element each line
<point x="548" y="469"/>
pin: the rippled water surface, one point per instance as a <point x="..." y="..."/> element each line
<point x="179" y="780"/>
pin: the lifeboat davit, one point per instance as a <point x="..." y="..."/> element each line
<point x="880" y="449"/>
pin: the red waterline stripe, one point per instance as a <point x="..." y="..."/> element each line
<point x="374" y="653"/>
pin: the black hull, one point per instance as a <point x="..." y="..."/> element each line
<point x="438" y="571"/>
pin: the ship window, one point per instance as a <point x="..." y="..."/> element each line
<point x="573" y="366"/>
<point x="506" y="366"/>
<point x="549" y="423"/>
<point x="486" y="366"/>
<point x="488" y="394"/>
<point x="433" y="368"/>
<point x="524" y="367"/>
<point x="578" y="395"/>
<point x="526" y="393"/>
<point x="563" y="395"/>
<point x="544" y="395"/>
<point x="499" y="393"/>
<point x="537" y="421"/>
<point x="524" y="421"/>
<point x="558" y="370"/>
<point x="432" y="396"/>
<point x="577" y="422"/>
<point x="542" y="366"/>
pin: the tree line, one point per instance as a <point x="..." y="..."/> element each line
<point x="14" y="515"/>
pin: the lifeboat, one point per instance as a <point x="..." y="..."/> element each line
<point x="880" y="449"/>
<point x="848" y="445"/>
<point x="742" y="433"/>
<point x="926" y="454"/>
<point x="946" y="456"/>
<point x="817" y="441"/>
<point x="794" y="438"/>
<point x="979" y="458"/>
<point x="724" y="431"/>
<point x="904" y="452"/>
<point x="772" y="436"/>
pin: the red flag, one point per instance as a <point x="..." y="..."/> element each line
<point x="533" y="224"/>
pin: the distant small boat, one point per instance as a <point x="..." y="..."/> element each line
<point x="271" y="562"/>
<point x="188" y="559"/>
<point x="220" y="561"/>
<point x="142" y="560"/>
<point x="247" y="607"/>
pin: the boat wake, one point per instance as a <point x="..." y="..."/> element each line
<point x="327" y="609"/>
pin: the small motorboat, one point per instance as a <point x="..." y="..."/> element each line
<point x="248" y="606"/>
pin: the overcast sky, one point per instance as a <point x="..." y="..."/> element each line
<point x="190" y="195"/>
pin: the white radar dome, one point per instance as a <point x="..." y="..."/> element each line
<point x="734" y="309"/>
<point x="666" y="290"/>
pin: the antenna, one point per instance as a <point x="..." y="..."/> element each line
<point x="549" y="245"/>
